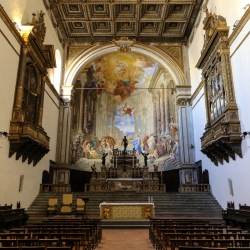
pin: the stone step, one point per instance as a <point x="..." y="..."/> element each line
<point x="166" y="204"/>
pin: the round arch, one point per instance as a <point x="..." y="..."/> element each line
<point x="93" y="53"/>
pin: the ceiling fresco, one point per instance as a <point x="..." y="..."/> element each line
<point x="147" y="21"/>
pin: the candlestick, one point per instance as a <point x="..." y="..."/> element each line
<point x="116" y="162"/>
<point x="133" y="161"/>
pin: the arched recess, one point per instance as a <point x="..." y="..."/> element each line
<point x="93" y="53"/>
<point x="57" y="71"/>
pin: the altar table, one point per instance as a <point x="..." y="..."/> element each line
<point x="126" y="211"/>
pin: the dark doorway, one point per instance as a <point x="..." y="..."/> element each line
<point x="171" y="179"/>
<point x="78" y="179"/>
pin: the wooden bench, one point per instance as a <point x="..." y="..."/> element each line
<point x="12" y="218"/>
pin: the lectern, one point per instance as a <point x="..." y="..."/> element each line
<point x="85" y="208"/>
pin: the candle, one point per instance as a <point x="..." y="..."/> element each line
<point x="148" y="199"/>
<point x="152" y="199"/>
<point x="116" y="162"/>
<point x="133" y="161"/>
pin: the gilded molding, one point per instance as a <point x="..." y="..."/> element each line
<point x="175" y="52"/>
<point x="74" y="51"/>
<point x="137" y="43"/>
<point x="10" y="25"/>
<point x="40" y="117"/>
<point x="9" y="42"/>
<point x="239" y="27"/>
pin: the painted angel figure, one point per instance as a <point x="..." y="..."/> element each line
<point x="125" y="110"/>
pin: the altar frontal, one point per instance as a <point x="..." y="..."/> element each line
<point x="126" y="211"/>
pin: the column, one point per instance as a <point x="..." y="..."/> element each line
<point x="83" y="79"/>
<point x="136" y="123"/>
<point x="63" y="141"/>
<point x="186" y="137"/>
<point x="158" y="109"/>
<point x="40" y="113"/>
<point x="154" y="116"/>
<point x="166" y="104"/>
<point x="85" y="110"/>
<point x="162" y="111"/>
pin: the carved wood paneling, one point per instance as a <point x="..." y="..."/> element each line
<point x="221" y="139"/>
<point x="27" y="136"/>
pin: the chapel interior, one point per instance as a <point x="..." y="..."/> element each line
<point x="124" y="115"/>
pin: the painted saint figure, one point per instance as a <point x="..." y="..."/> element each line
<point x="137" y="144"/>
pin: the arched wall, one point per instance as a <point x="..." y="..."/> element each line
<point x="91" y="54"/>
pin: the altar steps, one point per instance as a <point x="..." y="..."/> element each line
<point x="167" y="205"/>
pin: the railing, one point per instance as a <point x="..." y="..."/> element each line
<point x="55" y="188"/>
<point x="194" y="188"/>
<point x="140" y="187"/>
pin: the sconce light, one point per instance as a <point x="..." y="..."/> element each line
<point x="26" y="29"/>
<point x="244" y="134"/>
<point x="191" y="146"/>
<point x="172" y="92"/>
<point x="4" y="133"/>
<point x="17" y="27"/>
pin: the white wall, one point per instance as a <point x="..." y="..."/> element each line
<point x="10" y="169"/>
<point x="238" y="171"/>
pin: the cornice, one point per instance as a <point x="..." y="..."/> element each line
<point x="52" y="88"/>
<point x="10" y="25"/>
<point x="239" y="27"/>
<point x="197" y="91"/>
<point x="210" y="43"/>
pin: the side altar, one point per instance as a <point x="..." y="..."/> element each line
<point x="125" y="173"/>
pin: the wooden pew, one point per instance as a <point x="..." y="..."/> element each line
<point x="12" y="217"/>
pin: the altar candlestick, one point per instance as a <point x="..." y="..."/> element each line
<point x="116" y="162"/>
<point x="133" y="161"/>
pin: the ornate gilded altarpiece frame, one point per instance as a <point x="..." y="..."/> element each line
<point x="27" y="136"/>
<point x="221" y="139"/>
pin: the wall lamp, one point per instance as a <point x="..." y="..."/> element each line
<point x="244" y="134"/>
<point x="4" y="133"/>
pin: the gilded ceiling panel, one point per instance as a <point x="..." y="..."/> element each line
<point x="146" y="21"/>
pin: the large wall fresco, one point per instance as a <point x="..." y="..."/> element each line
<point x="121" y="98"/>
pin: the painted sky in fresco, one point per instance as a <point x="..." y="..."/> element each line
<point x="125" y="123"/>
<point x="120" y="74"/>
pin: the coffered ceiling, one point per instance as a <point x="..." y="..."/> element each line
<point x="144" y="20"/>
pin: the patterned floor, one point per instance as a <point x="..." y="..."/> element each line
<point x="125" y="239"/>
